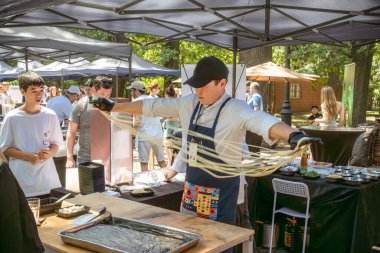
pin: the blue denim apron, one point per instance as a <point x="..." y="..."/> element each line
<point x="204" y="195"/>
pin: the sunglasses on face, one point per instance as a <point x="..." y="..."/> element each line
<point x="106" y="83"/>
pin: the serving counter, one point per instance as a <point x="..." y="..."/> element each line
<point x="216" y="236"/>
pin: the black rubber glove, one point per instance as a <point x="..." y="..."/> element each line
<point x="296" y="136"/>
<point x="102" y="104"/>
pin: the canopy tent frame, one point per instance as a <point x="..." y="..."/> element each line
<point x="268" y="6"/>
<point x="250" y="34"/>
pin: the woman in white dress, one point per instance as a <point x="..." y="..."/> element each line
<point x="331" y="108"/>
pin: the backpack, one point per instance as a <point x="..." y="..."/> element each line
<point x="362" y="152"/>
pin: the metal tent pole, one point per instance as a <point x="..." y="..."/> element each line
<point x="26" y="60"/>
<point x="286" y="112"/>
<point x="62" y="81"/>
<point x="117" y="82"/>
<point x="130" y="70"/>
<point x="235" y="40"/>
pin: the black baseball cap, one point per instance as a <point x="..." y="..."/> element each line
<point x="207" y="69"/>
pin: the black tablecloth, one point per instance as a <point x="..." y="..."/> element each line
<point x="338" y="143"/>
<point x="167" y="196"/>
<point x="343" y="218"/>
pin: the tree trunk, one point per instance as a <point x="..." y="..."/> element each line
<point x="334" y="82"/>
<point x="253" y="57"/>
<point x="173" y="62"/>
<point x="362" y="56"/>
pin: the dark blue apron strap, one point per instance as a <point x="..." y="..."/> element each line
<point x="194" y="113"/>
<point x="217" y="115"/>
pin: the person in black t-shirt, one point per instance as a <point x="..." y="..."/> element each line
<point x="314" y="115"/>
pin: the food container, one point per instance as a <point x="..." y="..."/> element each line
<point x="333" y="178"/>
<point x="119" y="235"/>
<point x="366" y="178"/>
<point x="288" y="170"/>
<point x="353" y="181"/>
<point x="374" y="177"/>
<point x="346" y="174"/>
<point x="145" y="192"/>
<point x="354" y="172"/>
<point x="311" y="177"/>
<point x="340" y="167"/>
<point x="60" y="212"/>
<point x="320" y="165"/>
<point x="48" y="205"/>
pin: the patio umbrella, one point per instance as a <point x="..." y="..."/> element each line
<point x="272" y="72"/>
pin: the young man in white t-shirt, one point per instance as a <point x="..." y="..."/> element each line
<point x="30" y="136"/>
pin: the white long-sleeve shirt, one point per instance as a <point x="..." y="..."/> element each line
<point x="235" y="119"/>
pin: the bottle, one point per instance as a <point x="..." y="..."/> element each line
<point x="292" y="237"/>
<point x="304" y="162"/>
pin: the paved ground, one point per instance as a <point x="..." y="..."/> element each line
<point x="264" y="250"/>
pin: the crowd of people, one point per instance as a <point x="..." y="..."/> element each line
<point x="31" y="133"/>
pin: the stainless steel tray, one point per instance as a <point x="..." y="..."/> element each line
<point x="125" y="235"/>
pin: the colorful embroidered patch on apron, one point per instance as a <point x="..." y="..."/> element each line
<point x="200" y="201"/>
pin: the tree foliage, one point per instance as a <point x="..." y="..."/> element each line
<point x="160" y="53"/>
<point x="322" y="60"/>
<point x="374" y="86"/>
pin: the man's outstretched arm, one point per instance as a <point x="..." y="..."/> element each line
<point x="104" y="104"/>
<point x="282" y="131"/>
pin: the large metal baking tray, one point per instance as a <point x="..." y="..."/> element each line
<point x="125" y="235"/>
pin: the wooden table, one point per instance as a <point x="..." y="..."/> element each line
<point x="216" y="236"/>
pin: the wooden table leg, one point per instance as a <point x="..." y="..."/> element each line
<point x="248" y="245"/>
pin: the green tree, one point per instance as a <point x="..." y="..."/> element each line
<point x="374" y="86"/>
<point x="171" y="54"/>
<point x="328" y="62"/>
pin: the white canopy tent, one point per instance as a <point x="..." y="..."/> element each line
<point x="61" y="44"/>
<point x="79" y="68"/>
<point x="4" y="66"/>
<point x="108" y="66"/>
<point x="55" y="69"/>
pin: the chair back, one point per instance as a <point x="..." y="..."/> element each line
<point x="290" y="188"/>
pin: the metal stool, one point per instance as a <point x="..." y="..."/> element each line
<point x="294" y="189"/>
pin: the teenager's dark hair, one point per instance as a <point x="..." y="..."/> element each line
<point x="314" y="106"/>
<point x="102" y="82"/>
<point x="29" y="78"/>
<point x="170" y="91"/>
<point x="89" y="83"/>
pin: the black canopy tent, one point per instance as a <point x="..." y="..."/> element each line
<point x="258" y="23"/>
<point x="236" y="25"/>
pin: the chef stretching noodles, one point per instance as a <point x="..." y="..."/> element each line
<point x="213" y="113"/>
